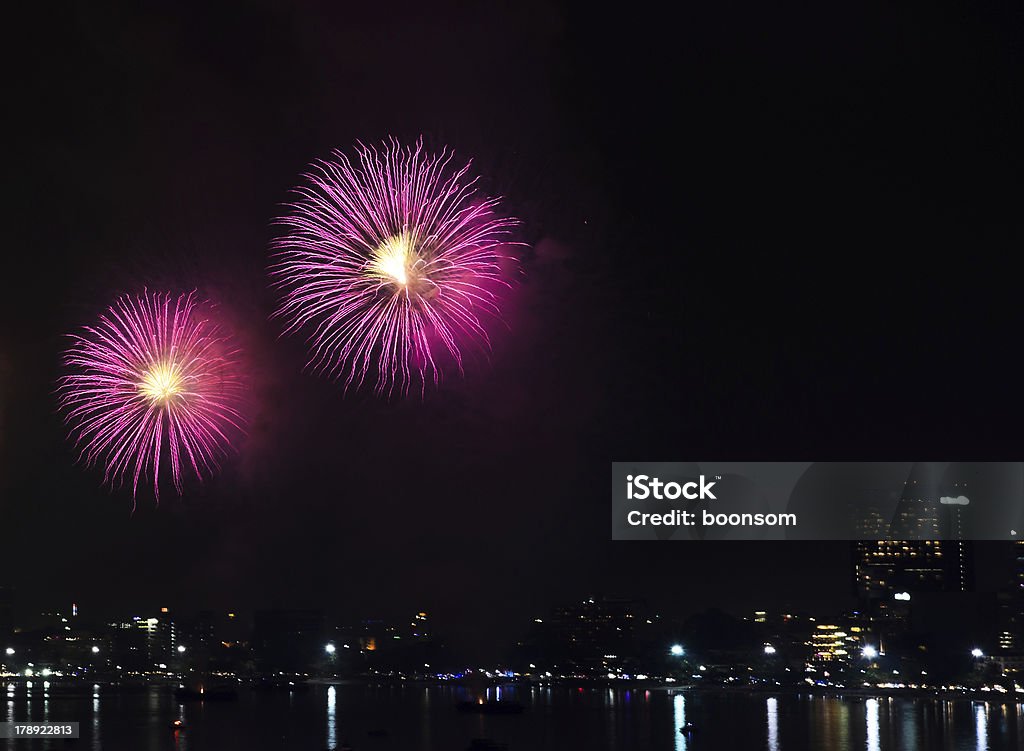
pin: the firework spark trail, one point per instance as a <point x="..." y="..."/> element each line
<point x="391" y="260"/>
<point x="153" y="377"/>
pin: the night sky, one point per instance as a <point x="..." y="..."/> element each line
<point x="758" y="233"/>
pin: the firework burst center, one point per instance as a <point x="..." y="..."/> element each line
<point x="161" y="383"/>
<point x="399" y="261"/>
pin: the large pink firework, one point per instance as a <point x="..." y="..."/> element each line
<point x="154" y="386"/>
<point x="393" y="264"/>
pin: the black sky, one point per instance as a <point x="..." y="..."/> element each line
<point x="760" y="232"/>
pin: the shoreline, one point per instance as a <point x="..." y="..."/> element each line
<point x="70" y="688"/>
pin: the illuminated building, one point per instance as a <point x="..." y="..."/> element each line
<point x="375" y="635"/>
<point x="405" y="646"/>
<point x="893" y="579"/>
<point x="915" y="561"/>
<point x="1009" y="655"/>
<point x="832" y="643"/>
<point x="1018" y="556"/>
<point x="882" y="568"/>
<point x="789" y="633"/>
<point x="142" y="643"/>
<point x="594" y="634"/>
<point x="419" y="627"/>
<point x="1010" y="620"/>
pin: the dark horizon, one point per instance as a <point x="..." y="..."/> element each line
<point x="768" y="234"/>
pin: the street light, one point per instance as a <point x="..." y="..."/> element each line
<point x="977" y="653"/>
<point x="10" y="651"/>
<point x="676" y="650"/>
<point x="330" y="648"/>
<point x="769" y="649"/>
<point x="181" y="649"/>
<point x="95" y="650"/>
<point x="869" y="652"/>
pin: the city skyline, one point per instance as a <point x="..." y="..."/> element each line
<point x="798" y="267"/>
<point x="902" y="588"/>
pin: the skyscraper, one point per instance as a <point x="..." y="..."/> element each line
<point x="1018" y="557"/>
<point x="882" y="568"/>
<point x="904" y="584"/>
<point x="142" y="643"/>
<point x="597" y="634"/>
<point x="916" y="561"/>
<point x="960" y="500"/>
<point x="1010" y="622"/>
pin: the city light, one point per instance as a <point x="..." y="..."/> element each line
<point x="840" y="655"/>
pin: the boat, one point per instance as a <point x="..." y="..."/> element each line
<point x="491" y="706"/>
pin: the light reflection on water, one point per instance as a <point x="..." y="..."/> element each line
<point x="773" y="723"/>
<point x="981" y="726"/>
<point x="96" y="735"/>
<point x="332" y="717"/>
<point x="424" y="718"/>
<point x="874" y="742"/>
<point x="908" y="727"/>
<point x="679" y="719"/>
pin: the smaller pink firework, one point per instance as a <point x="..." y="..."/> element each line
<point x="154" y="384"/>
